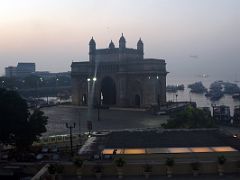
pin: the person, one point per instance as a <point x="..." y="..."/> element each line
<point x="114" y="151"/>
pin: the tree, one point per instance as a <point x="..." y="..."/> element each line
<point x="18" y="126"/>
<point x="190" y="118"/>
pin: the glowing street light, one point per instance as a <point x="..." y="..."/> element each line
<point x="94" y="79"/>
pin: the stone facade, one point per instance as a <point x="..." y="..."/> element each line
<point x="119" y="77"/>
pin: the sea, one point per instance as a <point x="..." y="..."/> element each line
<point x="200" y="99"/>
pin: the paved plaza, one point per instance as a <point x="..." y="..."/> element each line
<point x="110" y="119"/>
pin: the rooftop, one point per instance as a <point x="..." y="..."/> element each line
<point x="150" y="141"/>
<point x="170" y="138"/>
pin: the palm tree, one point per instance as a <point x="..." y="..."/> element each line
<point x="147" y="170"/>
<point x="120" y="162"/>
<point x="78" y="163"/>
<point x="221" y="162"/>
<point x="195" y="168"/>
<point x="169" y="163"/>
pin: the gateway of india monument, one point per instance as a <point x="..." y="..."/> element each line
<point x="119" y="76"/>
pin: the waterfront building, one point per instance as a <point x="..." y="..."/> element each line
<point x="49" y="75"/>
<point x="222" y="114"/>
<point x="25" y="69"/>
<point x="236" y="116"/>
<point x="119" y="77"/>
<point x="10" y="71"/>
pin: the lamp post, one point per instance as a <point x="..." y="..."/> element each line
<point x="70" y="128"/>
<point x="100" y="99"/>
<point x="98" y="108"/>
<point x="41" y="81"/>
<point x="23" y="84"/>
<point x="3" y="83"/>
<point x="213" y="109"/>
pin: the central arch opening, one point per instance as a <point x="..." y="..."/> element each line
<point x="108" y="90"/>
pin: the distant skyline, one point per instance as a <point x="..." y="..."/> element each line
<point x="194" y="37"/>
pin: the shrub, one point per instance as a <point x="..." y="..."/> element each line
<point x="98" y="169"/>
<point x="147" y="168"/>
<point x="120" y="162"/>
<point x="52" y="169"/>
<point x="195" y="166"/>
<point x="78" y="162"/>
<point x="170" y="162"/>
<point x="59" y="169"/>
<point x="221" y="159"/>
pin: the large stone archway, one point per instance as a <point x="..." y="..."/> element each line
<point x="108" y="91"/>
<point x="122" y="77"/>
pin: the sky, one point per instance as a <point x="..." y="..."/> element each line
<point x="193" y="36"/>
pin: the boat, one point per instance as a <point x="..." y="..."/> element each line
<point x="175" y="88"/>
<point x="216" y="96"/>
<point x="197" y="87"/>
<point x="236" y="96"/>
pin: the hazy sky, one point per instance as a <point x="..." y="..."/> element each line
<point x="194" y="36"/>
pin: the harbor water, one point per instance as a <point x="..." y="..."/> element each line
<point x="200" y="99"/>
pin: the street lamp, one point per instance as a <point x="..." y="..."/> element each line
<point x="100" y="99"/>
<point x="38" y="85"/>
<point x="23" y="83"/>
<point x="213" y="109"/>
<point x="3" y="83"/>
<point x="98" y="108"/>
<point x="70" y="128"/>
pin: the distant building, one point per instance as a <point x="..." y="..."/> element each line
<point x="25" y="69"/>
<point x="236" y="116"/>
<point x="119" y="77"/>
<point x="49" y="75"/>
<point x="222" y="114"/>
<point x="10" y="71"/>
<point x="43" y="74"/>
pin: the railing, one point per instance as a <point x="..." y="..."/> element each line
<point x="42" y="173"/>
<point x="58" y="139"/>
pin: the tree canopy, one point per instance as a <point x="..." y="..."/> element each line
<point x="18" y="126"/>
<point x="190" y="118"/>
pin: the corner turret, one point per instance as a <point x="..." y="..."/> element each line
<point x="140" y="48"/>
<point x="111" y="45"/>
<point x="92" y="50"/>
